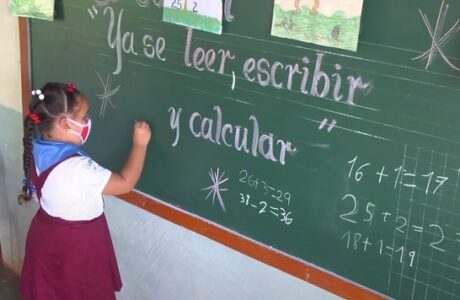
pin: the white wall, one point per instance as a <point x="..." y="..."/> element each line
<point x="158" y="260"/>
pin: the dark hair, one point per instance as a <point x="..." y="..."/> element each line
<point x="53" y="100"/>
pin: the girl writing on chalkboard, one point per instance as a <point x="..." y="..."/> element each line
<point x="69" y="253"/>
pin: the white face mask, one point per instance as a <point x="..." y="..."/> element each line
<point x="84" y="132"/>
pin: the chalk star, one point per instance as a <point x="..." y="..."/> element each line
<point x="215" y="189"/>
<point x="108" y="92"/>
<point x="437" y="40"/>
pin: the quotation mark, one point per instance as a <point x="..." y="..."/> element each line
<point x="92" y="11"/>
<point x="329" y="127"/>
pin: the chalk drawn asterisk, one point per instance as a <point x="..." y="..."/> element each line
<point x="108" y="92"/>
<point x="438" y="40"/>
<point x="215" y="189"/>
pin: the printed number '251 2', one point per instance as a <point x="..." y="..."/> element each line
<point x="177" y="4"/>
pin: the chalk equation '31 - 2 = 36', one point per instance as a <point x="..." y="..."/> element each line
<point x="266" y="207"/>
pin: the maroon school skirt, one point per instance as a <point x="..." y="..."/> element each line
<point x="69" y="260"/>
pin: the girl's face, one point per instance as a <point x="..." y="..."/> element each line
<point x="80" y="115"/>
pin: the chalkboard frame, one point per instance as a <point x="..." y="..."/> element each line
<point x="296" y="267"/>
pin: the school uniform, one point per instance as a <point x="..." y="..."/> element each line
<point x="69" y="253"/>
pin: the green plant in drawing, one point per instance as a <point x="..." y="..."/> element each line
<point x="332" y="23"/>
<point x="40" y="9"/>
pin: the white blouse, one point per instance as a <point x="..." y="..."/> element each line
<point x="73" y="189"/>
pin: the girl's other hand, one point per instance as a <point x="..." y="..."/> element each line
<point x="141" y="133"/>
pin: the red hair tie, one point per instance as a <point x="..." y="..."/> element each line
<point x="34" y="117"/>
<point x="71" y="87"/>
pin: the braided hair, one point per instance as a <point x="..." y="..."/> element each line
<point x="45" y="107"/>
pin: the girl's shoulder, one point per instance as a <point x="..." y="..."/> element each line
<point x="82" y="161"/>
<point x="84" y="173"/>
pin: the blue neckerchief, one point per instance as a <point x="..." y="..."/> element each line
<point x="49" y="153"/>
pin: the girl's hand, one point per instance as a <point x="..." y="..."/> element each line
<point x="141" y="133"/>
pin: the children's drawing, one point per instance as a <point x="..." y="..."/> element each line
<point x="39" y="9"/>
<point x="332" y="23"/>
<point x="199" y="14"/>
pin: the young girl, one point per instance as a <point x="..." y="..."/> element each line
<point x="69" y="253"/>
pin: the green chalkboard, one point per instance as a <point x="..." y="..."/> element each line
<point x="347" y="160"/>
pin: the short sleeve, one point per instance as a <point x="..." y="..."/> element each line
<point x="90" y="177"/>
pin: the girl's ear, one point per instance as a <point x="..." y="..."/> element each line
<point x="63" y="123"/>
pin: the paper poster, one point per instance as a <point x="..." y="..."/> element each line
<point x="39" y="9"/>
<point x="200" y="14"/>
<point x="332" y="23"/>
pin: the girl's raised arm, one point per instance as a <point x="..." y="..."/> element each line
<point x="126" y="180"/>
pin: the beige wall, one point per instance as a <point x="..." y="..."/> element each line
<point x="10" y="91"/>
<point x="14" y="219"/>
